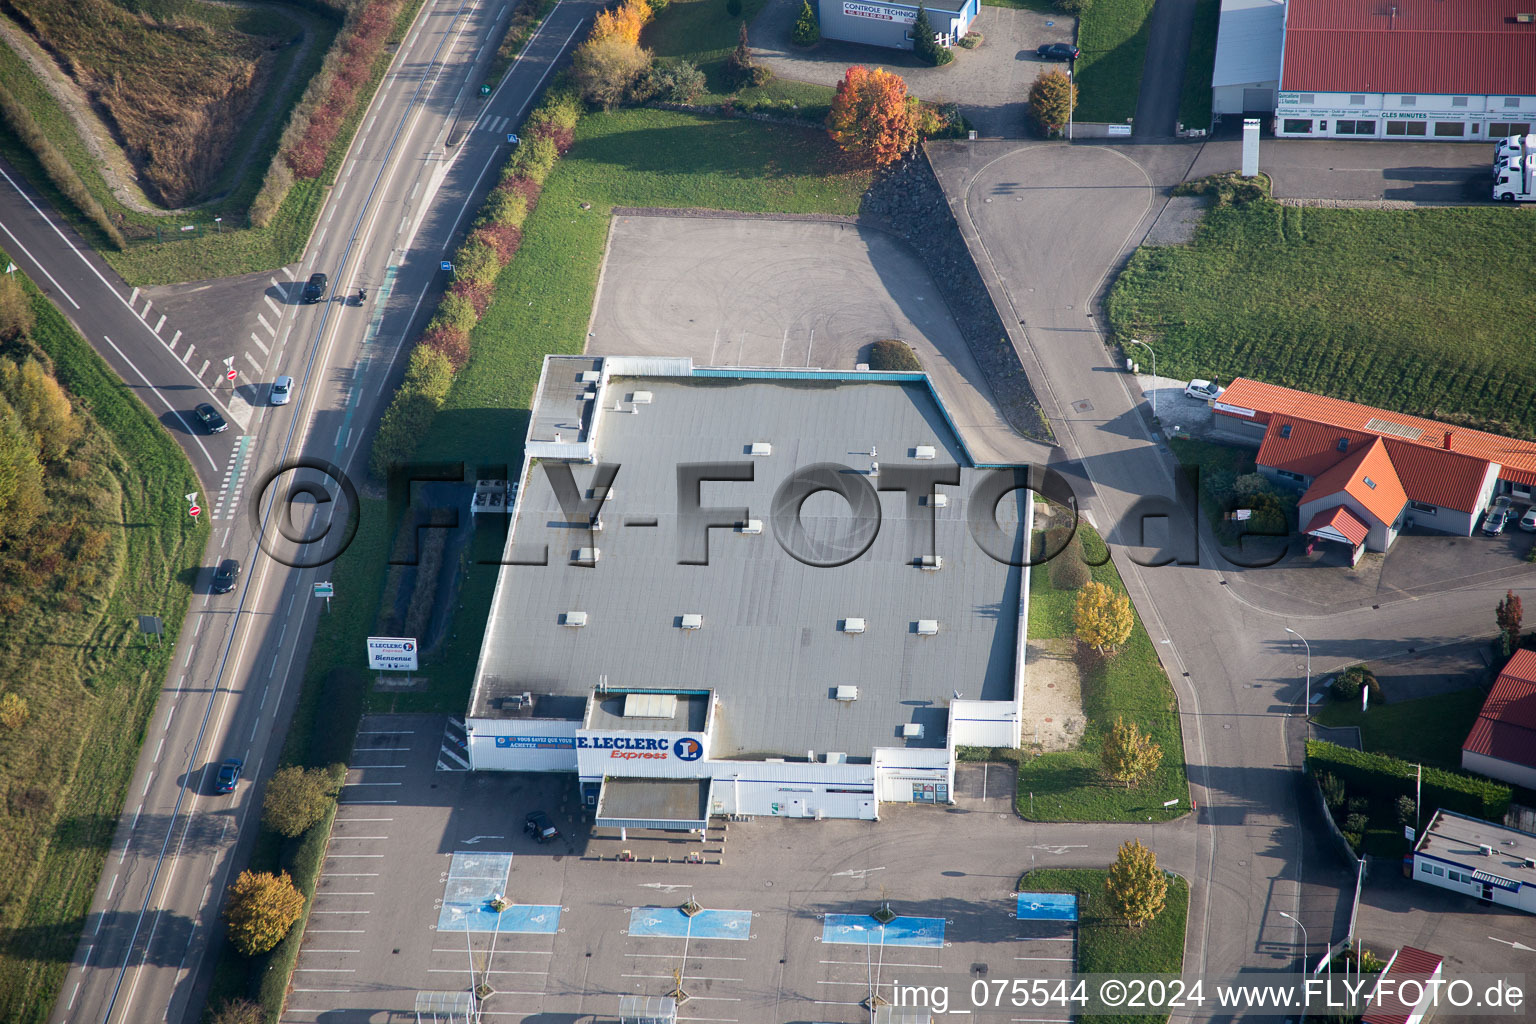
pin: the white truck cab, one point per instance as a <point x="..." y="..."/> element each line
<point x="1512" y="145"/>
<point x="1514" y="180"/>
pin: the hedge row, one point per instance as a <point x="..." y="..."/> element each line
<point x="323" y="109"/>
<point x="1391" y="777"/>
<point x="443" y="348"/>
<point x="20" y="121"/>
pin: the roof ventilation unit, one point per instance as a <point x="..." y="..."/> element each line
<point x="517" y="700"/>
<point x="751" y="526"/>
<point x="650" y="705"/>
<point x="587" y="555"/>
<point x="932" y="563"/>
<point x="640" y="398"/>
<point x="590" y="376"/>
<point x="760" y="448"/>
<point x="1525" y="19"/>
<point x="836" y="757"/>
<point x="912" y="731"/>
<point x="1485" y="850"/>
<point x="853" y="625"/>
<point x="925" y="451"/>
<point x="846" y="693"/>
<point x="574" y="619"/>
<point x="937" y="500"/>
<point x="1530" y="862"/>
<point x="927" y="627"/>
<point x="692" y="620"/>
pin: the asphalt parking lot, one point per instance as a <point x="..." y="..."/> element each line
<point x="785" y="932"/>
<point x="762" y="292"/>
<point x="1364" y="171"/>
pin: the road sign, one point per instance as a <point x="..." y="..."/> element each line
<point x="194" y="511"/>
<point x="445" y="265"/>
<point x="192" y="497"/>
<point x="326" y="589"/>
<point x="485" y="90"/>
<point x="230" y="374"/>
<point x="512" y="138"/>
<point x="392" y="653"/>
<point x="1408" y="832"/>
<point x="10" y="268"/>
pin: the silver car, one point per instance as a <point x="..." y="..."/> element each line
<point x="282" y="390"/>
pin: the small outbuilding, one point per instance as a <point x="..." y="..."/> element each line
<point x="885" y="24"/>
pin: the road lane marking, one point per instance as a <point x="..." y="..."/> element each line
<point x="252" y="361"/>
<point x="270" y="329"/>
<point x="28" y="253"/>
<point x="204" y="368"/>
<point x="255" y="340"/>
<point x="276" y="309"/>
<point x="133" y="298"/>
<point x="145" y="314"/>
<point x="175" y="339"/>
<point x="160" y="324"/>
<point x="188" y="354"/>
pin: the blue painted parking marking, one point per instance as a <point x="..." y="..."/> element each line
<point x="671" y="923"/>
<point x="528" y="919"/>
<point x="473" y="878"/>
<point x="863" y="930"/>
<point x="1047" y="906"/>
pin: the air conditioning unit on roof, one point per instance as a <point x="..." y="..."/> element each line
<point x="846" y="693"/>
<point x="693" y="620"/>
<point x="574" y="619"/>
<point x="853" y="625"/>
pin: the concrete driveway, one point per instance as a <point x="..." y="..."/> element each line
<point x="990" y="82"/>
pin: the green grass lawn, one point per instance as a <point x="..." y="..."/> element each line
<point x="1195" y="99"/>
<point x="90" y="679"/>
<point x="1395" y="309"/>
<point x="1428" y="730"/>
<point x="1069" y="785"/>
<point x="1113" y="38"/>
<point x="1104" y="944"/>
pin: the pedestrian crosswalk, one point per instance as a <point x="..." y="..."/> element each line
<point x="453" y="755"/>
<point x="494" y="124"/>
<point x="227" y="504"/>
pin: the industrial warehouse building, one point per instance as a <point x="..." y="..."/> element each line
<point x="883" y="24"/>
<point x="1410" y="69"/>
<point x="757" y="683"/>
<point x="1365" y="473"/>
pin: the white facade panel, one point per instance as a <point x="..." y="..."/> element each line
<point x="984" y="723"/>
<point x="1457" y="877"/>
<point x="1494" y="768"/>
<point x="1430" y="117"/>
<point x="521" y="744"/>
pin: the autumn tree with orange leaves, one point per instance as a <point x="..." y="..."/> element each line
<point x="870" y="116"/>
<point x="609" y="63"/>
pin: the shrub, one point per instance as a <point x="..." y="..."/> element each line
<point x="13" y="711"/>
<point x="504" y="207"/>
<point x="237" y="1011"/>
<point x="503" y="240"/>
<point x="759" y="75"/>
<point x="477" y="293"/>
<point x="1347" y="684"/>
<point x="1407" y="811"/>
<point x="533" y="159"/>
<point x="455" y="312"/>
<point x="1073" y="6"/>
<point x="890" y="354"/>
<point x="1389" y="777"/>
<point x="262" y="907"/>
<point x="475" y="262"/>
<point x="738" y="66"/>
<point x="1102" y="618"/>
<point x="1355" y="824"/>
<point x="1068" y="570"/>
<point x="971" y="40"/>
<point x="1333" y="790"/>
<point x="428" y="377"/>
<point x="1250" y="484"/>
<point x="296" y="799"/>
<point x="606" y="68"/>
<point x="807" y="29"/>
<point x="923" y="44"/>
<point x="678" y="81"/>
<point x="15" y="309"/>
<point x="452" y="345"/>
<point x="1358" y="805"/>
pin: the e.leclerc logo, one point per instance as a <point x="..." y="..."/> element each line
<point x="688" y="749"/>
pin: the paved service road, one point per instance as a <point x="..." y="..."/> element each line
<point x="416" y="171"/>
<point x="1239" y="680"/>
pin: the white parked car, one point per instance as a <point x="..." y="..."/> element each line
<point x="1204" y="390"/>
<point x="282" y="390"/>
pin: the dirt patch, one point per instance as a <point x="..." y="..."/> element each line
<point x="174" y="91"/>
<point x="1053" y="698"/>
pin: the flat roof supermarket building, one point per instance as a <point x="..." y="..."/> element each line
<point x="761" y="682"/>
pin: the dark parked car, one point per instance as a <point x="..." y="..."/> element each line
<point x="1057" y="51"/>
<point x="210" y="418"/>
<point x="314" y="291"/>
<point x="538" y="825"/>
<point x="229" y="774"/>
<point x="1495" y="523"/>
<point x="226" y="576"/>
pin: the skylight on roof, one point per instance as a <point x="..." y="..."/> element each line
<point x="1369" y="482"/>
<point x="1381" y="426"/>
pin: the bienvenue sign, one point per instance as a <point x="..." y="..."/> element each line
<point x="879" y="12"/>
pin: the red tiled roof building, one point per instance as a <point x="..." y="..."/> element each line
<point x="1502" y="743"/>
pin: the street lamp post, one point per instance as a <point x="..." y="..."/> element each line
<point x="1149" y="348"/>
<point x="1304" y="943"/>
<point x="1071" y="88"/>
<point x="1308" y="709"/>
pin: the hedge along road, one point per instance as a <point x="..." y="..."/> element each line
<point x="1240" y="683"/>
<point x="156" y="905"/>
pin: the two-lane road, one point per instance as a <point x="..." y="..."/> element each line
<point x="400" y="197"/>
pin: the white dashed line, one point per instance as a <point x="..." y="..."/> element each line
<point x="257" y="342"/>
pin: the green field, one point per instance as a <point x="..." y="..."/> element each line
<point x="1104" y="944"/>
<point x="1393" y="309"/>
<point x="1113" y="38"/>
<point x="1427" y="729"/>
<point x="1195" y="98"/>
<point x="1069" y="785"/>
<point x="70" y="647"/>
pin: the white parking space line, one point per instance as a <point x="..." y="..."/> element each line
<point x="257" y="342"/>
<point x="695" y="956"/>
<point x="175" y="338"/>
<point x="188" y="354"/>
<point x="270" y="329"/>
<point x="252" y="361"/>
<point x="204" y="368"/>
<point x="160" y="324"/>
<point x="276" y="309"/>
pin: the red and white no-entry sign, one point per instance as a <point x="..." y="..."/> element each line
<point x="230" y="374"/>
<point x="193" y="511"/>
